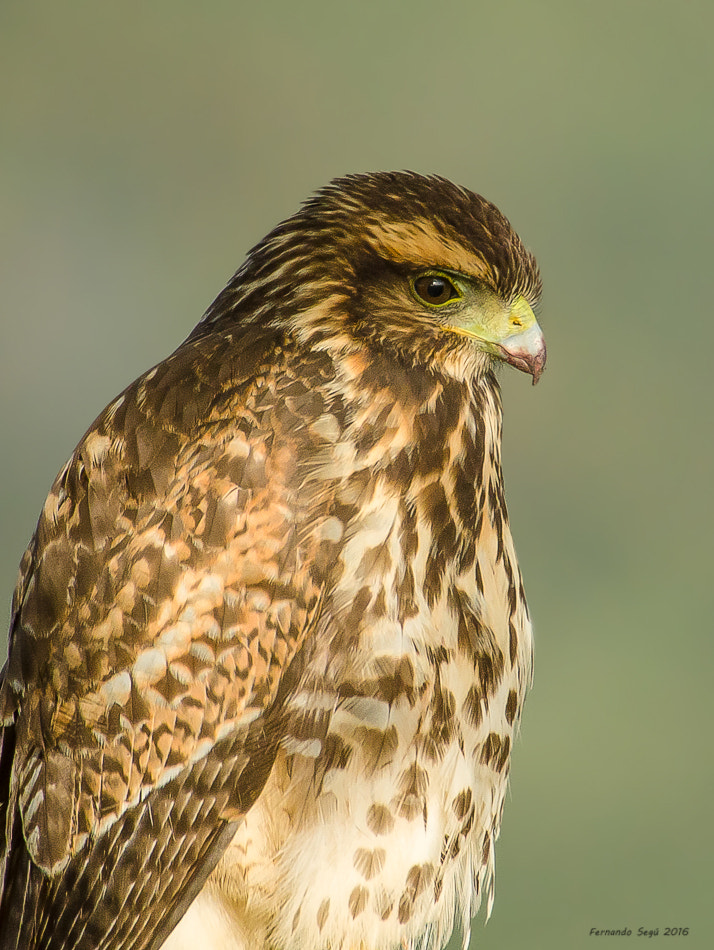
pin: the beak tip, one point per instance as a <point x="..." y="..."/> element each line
<point x="538" y="364"/>
<point x="528" y="355"/>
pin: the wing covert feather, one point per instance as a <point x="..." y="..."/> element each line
<point x="167" y="588"/>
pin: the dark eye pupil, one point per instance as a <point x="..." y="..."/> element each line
<point x="434" y="289"/>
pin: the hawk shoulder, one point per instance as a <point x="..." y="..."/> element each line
<point x="171" y="580"/>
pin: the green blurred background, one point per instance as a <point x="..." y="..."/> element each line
<point x="147" y="146"/>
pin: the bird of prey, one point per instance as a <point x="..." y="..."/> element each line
<point x="269" y="643"/>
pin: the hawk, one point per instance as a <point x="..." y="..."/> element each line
<point x="269" y="642"/>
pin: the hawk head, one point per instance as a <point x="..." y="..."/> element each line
<point x="405" y="264"/>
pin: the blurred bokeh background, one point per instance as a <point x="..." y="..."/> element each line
<point x="147" y="146"/>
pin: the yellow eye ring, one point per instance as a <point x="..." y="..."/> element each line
<point x="435" y="289"/>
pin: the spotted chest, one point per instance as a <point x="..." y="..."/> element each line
<point x="384" y="838"/>
<point x="378" y="821"/>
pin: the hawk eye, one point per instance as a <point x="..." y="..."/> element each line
<point x="435" y="289"/>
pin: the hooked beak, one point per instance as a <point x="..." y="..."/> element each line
<point x="526" y="351"/>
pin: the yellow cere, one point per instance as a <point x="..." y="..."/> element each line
<point x="486" y="316"/>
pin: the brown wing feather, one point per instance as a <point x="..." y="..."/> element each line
<point x="169" y="585"/>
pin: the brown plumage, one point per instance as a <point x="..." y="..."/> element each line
<point x="270" y="642"/>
